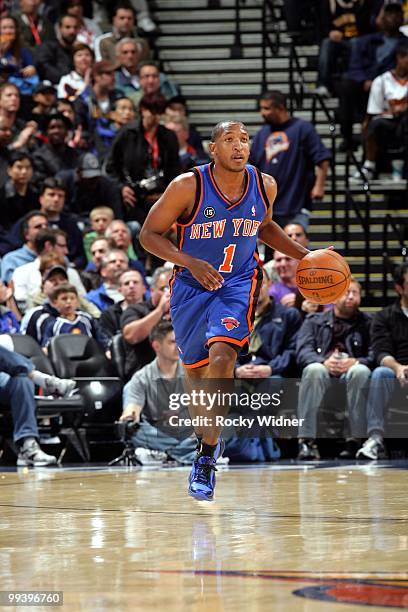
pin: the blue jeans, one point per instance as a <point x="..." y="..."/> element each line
<point x="381" y="389"/>
<point x="17" y="392"/>
<point x="314" y="384"/>
<point x="148" y="436"/>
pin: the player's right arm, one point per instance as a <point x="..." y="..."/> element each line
<point x="177" y="201"/>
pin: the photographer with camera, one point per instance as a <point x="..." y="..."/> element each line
<point x="144" y="159"/>
<point x="146" y="400"/>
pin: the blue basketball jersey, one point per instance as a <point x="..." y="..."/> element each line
<point x="221" y="232"/>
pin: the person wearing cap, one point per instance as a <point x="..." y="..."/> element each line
<point x="53" y="273"/>
<point x="71" y="85"/>
<point x="44" y="99"/>
<point x="55" y="155"/>
<point x="87" y="187"/>
<point x="94" y="105"/>
<point x="27" y="278"/>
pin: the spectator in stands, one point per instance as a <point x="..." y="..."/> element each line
<point x="188" y="155"/>
<point x="143" y="150"/>
<point x="18" y="59"/>
<point x="17" y="393"/>
<point x="95" y="103"/>
<point x="87" y="186"/>
<point x="152" y="81"/>
<point x="55" y="154"/>
<point x="18" y="196"/>
<point x="52" y="201"/>
<point x="123" y="113"/>
<point x="341" y="24"/>
<point x="285" y="290"/>
<point x="35" y="28"/>
<point x="176" y="107"/>
<point x="5" y="139"/>
<point x="297" y="232"/>
<point x="133" y="288"/>
<point x="66" y="318"/>
<point x="289" y="149"/>
<point x="55" y="271"/>
<point x="386" y="122"/>
<point x="44" y="100"/>
<point x="389" y="335"/>
<point x="91" y="276"/>
<point x="100" y="217"/>
<point x="10" y="105"/>
<point x="88" y="30"/>
<point x="371" y="55"/>
<point x="9" y="314"/>
<point x="71" y="85"/>
<point x="123" y="26"/>
<point x="27" y="278"/>
<point x="119" y="237"/>
<point x="147" y="402"/>
<point x="334" y="344"/>
<point x="31" y="224"/>
<point x="139" y="319"/>
<point x="112" y="266"/>
<point x="129" y="53"/>
<point x="273" y="340"/>
<point x="54" y="57"/>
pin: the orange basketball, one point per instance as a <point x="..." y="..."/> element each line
<point x="323" y="276"/>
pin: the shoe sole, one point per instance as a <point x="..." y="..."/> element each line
<point x="201" y="496"/>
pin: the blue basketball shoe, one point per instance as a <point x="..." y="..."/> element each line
<point x="202" y="478"/>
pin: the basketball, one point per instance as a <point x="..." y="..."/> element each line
<point x="323" y="276"/>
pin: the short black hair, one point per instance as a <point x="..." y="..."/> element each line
<point x="402" y="49"/>
<point x="64" y="16"/>
<point x="53" y="183"/>
<point x="399" y="273"/>
<point x="147" y="62"/>
<point x="155" y="103"/>
<point x="222" y="126"/>
<point x="16" y="156"/>
<point x="26" y="219"/>
<point x="275" y="96"/>
<point x="160" y="331"/>
<point x="124" y="4"/>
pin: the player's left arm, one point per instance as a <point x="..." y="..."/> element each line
<point x="270" y="233"/>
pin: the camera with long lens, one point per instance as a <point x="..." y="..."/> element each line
<point x="147" y="186"/>
<point x="126" y="429"/>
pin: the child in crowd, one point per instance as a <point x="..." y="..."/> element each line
<point x="100" y="217"/>
<point x="66" y="318"/>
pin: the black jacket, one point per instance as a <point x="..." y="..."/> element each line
<point x="129" y="155"/>
<point x="52" y="61"/>
<point x="110" y="319"/>
<point x="48" y="161"/>
<point x="390" y="334"/>
<point x="315" y="338"/>
<point x="277" y="328"/>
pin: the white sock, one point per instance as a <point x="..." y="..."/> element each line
<point x="369" y="164"/>
<point x="40" y="379"/>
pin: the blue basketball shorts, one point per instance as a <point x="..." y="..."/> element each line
<point x="202" y="317"/>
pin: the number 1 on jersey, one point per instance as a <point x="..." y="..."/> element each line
<point x="229" y="253"/>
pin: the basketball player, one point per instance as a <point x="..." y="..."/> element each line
<point x="221" y="209"/>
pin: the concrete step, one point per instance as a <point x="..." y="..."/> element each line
<point x="247" y="68"/>
<point x="187" y="5"/>
<point x="198" y="14"/>
<point x="214" y="53"/>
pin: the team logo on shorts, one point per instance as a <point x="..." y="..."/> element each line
<point x="209" y="212"/>
<point x="229" y="323"/>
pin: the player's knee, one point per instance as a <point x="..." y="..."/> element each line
<point x="222" y="360"/>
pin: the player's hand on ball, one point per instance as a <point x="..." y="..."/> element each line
<point x="208" y="276"/>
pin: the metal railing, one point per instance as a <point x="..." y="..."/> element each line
<point x="319" y="100"/>
<point x="297" y="85"/>
<point x="236" y="49"/>
<point x="389" y="221"/>
<point x="270" y="36"/>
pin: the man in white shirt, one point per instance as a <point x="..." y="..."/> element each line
<point x="386" y="111"/>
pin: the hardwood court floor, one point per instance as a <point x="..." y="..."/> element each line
<point x="280" y="537"/>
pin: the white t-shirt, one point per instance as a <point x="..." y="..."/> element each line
<point x="27" y="279"/>
<point x="388" y="95"/>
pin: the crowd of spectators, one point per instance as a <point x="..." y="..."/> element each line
<point x="91" y="133"/>
<point x="362" y="61"/>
